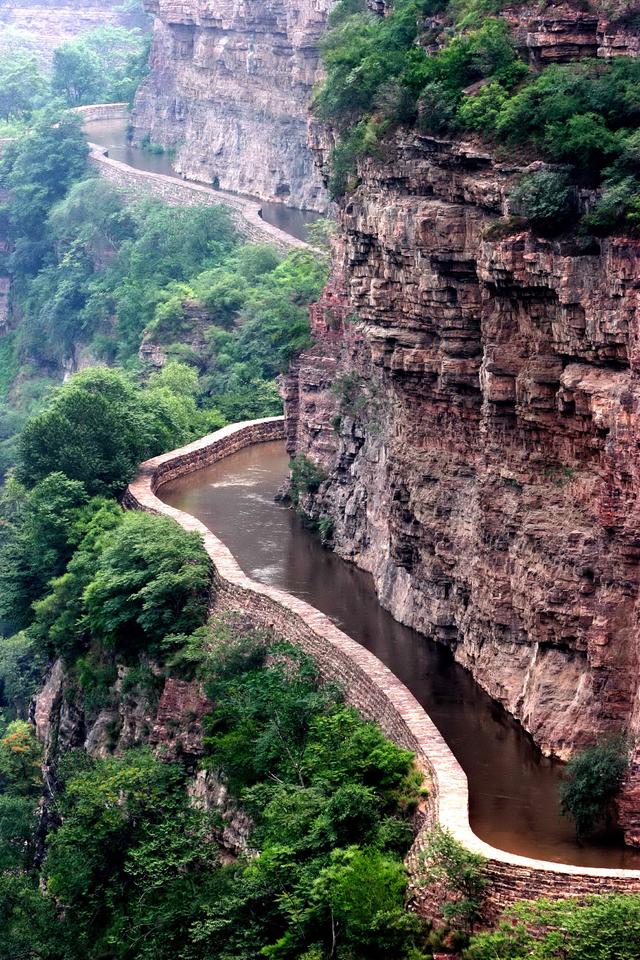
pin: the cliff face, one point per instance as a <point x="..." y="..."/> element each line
<point x="228" y="89"/>
<point x="168" y="720"/>
<point x="475" y="403"/>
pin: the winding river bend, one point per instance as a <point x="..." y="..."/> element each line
<point x="513" y="788"/>
<point x="112" y="134"/>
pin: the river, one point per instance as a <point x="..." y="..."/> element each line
<point x="112" y="134"/>
<point x="513" y="788"/>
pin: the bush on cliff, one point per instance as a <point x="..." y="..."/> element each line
<point x="379" y="75"/>
<point x="592" y="780"/>
<point x="305" y="477"/>
<point x="545" y="199"/>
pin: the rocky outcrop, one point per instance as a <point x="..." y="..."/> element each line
<point x="474" y="398"/>
<point x="211" y="794"/>
<point x="560" y="32"/>
<point x="228" y="89"/>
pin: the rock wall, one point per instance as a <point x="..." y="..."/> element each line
<point x="369" y="686"/>
<point x="474" y="399"/>
<point x="40" y="27"/>
<point x="228" y="89"/>
<point x="103" y="111"/>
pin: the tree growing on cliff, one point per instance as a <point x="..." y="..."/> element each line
<point x="592" y="780"/>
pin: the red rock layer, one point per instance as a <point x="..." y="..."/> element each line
<point x="479" y="422"/>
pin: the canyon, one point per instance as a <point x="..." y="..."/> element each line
<point x="228" y="90"/>
<point x="472" y="399"/>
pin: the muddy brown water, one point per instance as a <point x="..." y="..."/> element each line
<point x="112" y="134"/>
<point x="513" y="788"/>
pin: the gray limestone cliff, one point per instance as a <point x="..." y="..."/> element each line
<point x="228" y="89"/>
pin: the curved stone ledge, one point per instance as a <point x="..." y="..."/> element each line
<point x="103" y="111"/>
<point x="368" y="684"/>
<point x="136" y="183"/>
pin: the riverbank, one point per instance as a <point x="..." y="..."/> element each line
<point x="136" y="182"/>
<point x="369" y="685"/>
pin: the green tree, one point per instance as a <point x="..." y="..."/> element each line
<point x="34" y="544"/>
<point x="77" y="73"/>
<point x="152" y="578"/>
<point x="592" y="779"/>
<point x="22" y="667"/>
<point x="22" y="86"/>
<point x="96" y="429"/>
<point x="37" y="169"/>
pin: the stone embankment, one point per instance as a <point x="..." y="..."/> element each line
<point x="103" y="111"/>
<point x="138" y="183"/>
<point x="244" y="213"/>
<point x="369" y="686"/>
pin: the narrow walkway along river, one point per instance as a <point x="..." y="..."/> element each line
<point x="112" y="134"/>
<point x="513" y="788"/>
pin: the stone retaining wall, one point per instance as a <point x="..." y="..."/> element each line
<point x="184" y="193"/>
<point x="369" y="686"/>
<point x="103" y="111"/>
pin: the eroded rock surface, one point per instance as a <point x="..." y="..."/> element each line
<point x="474" y="399"/>
<point x="228" y="89"/>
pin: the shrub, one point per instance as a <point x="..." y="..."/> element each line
<point x="592" y="779"/>
<point x="306" y="477"/>
<point x="602" y="928"/>
<point x="544" y="198"/>
<point x="480" y="111"/>
<point x="459" y="874"/>
<point x="615" y="208"/>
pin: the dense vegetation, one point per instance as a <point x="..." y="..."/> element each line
<point x="602" y="928"/>
<point x="94" y="276"/>
<point x="379" y="74"/>
<point x="591" y="782"/>
<point x="105" y="65"/>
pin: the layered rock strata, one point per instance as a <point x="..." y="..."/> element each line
<point x="229" y="87"/>
<point x="474" y="400"/>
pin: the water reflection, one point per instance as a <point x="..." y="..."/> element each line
<point x="513" y="788"/>
<point x="112" y="134"/>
